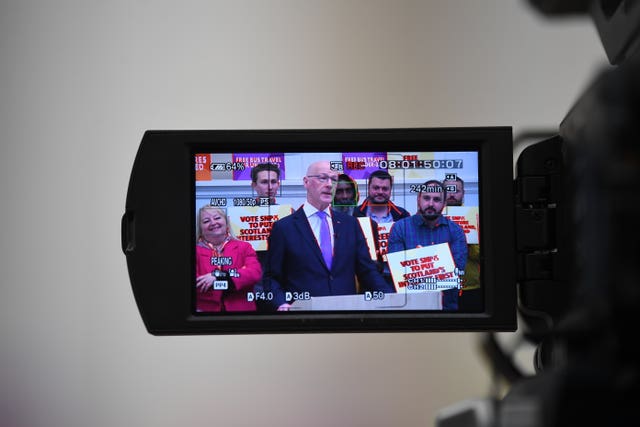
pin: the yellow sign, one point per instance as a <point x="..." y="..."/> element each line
<point x="468" y="219"/>
<point x="253" y="223"/>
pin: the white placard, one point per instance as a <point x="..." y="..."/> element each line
<point x="365" y="224"/>
<point x="423" y="269"/>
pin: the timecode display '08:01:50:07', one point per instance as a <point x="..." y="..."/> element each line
<point x="421" y="164"/>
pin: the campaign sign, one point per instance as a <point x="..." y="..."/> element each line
<point x="360" y="165"/>
<point x="253" y="223"/>
<point x="243" y="163"/>
<point x="384" y="229"/>
<point x="365" y="224"/>
<point x="202" y="166"/>
<point x="423" y="269"/>
<point x="468" y="219"/>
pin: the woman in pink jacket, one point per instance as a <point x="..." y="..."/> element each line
<point x="226" y="268"/>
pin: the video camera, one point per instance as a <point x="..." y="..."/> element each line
<point x="564" y="230"/>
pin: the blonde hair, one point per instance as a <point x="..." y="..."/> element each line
<point x="222" y="212"/>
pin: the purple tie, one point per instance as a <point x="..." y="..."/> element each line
<point x="325" y="239"/>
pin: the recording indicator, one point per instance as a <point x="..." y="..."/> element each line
<point x="356" y="165"/>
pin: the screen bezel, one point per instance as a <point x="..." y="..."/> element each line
<point x="164" y="169"/>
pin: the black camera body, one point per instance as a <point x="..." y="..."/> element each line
<point x="180" y="176"/>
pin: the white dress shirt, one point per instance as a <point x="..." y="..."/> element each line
<point x="314" y="221"/>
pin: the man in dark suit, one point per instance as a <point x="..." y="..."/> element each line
<point x="318" y="250"/>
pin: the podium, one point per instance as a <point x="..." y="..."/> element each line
<point x="425" y="300"/>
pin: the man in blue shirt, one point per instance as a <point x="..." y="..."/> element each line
<point x="428" y="227"/>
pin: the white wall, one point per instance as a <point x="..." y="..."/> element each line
<point x="80" y="81"/>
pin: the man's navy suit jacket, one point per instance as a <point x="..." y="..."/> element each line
<point x="295" y="262"/>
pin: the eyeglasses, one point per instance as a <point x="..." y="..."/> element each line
<point x="323" y="179"/>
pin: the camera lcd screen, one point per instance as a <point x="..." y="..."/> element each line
<point x="332" y="230"/>
<point x="417" y="212"/>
